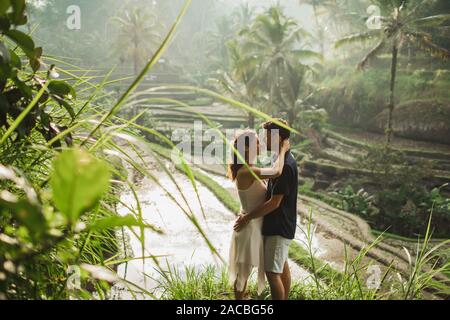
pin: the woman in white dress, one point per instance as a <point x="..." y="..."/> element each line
<point x="247" y="246"/>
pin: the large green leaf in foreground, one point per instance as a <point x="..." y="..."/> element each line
<point x="78" y="182"/>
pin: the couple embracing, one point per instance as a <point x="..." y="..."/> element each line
<point x="264" y="230"/>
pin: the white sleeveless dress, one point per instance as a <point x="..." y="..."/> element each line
<point x="247" y="246"/>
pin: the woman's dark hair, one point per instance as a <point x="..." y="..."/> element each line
<point x="250" y="138"/>
<point x="284" y="133"/>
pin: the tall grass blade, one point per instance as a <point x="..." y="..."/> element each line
<point x="141" y="76"/>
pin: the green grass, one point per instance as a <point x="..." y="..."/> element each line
<point x="325" y="283"/>
<point x="191" y="283"/>
<point x="211" y="283"/>
<point x="322" y="197"/>
<point x="180" y="112"/>
<point x="301" y="256"/>
<point x="56" y="216"/>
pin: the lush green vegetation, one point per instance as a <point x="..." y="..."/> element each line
<point x="72" y="135"/>
<point x="356" y="99"/>
<point x="396" y="200"/>
<point x="274" y="68"/>
<point x="401" y="22"/>
<point x="60" y="188"/>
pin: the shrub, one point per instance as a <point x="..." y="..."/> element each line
<point x="396" y="199"/>
<point x="359" y="202"/>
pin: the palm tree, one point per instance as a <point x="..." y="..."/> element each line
<point x="295" y="93"/>
<point x="345" y="16"/>
<point x="216" y="43"/>
<point x="320" y="30"/>
<point x="138" y="36"/>
<point x="239" y="82"/>
<point x="402" y="22"/>
<point x="243" y="16"/>
<point x="226" y="28"/>
<point x="273" y="42"/>
<point x="292" y="88"/>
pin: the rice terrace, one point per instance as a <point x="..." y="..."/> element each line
<point x="224" y="150"/>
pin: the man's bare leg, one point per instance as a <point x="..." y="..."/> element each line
<point x="286" y="279"/>
<point x="276" y="286"/>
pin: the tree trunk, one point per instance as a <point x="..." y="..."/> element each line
<point x="136" y="66"/>
<point x="291" y="116"/>
<point x="136" y="57"/>
<point x="271" y="94"/>
<point x="319" y="30"/>
<point x="251" y="120"/>
<point x="389" y="130"/>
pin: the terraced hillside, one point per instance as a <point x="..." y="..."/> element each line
<point x="174" y="116"/>
<point x="168" y="106"/>
<point x="343" y="147"/>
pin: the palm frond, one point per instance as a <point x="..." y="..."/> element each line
<point x="307" y="54"/>
<point x="250" y="47"/>
<point x="357" y="38"/>
<point x="433" y="21"/>
<point x="372" y="53"/>
<point x="417" y="8"/>
<point x="231" y="87"/>
<point x="149" y="65"/>
<point x="425" y="43"/>
<point x="295" y="36"/>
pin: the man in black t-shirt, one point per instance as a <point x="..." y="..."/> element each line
<point x="280" y="216"/>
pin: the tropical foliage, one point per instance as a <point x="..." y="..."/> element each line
<point x="73" y="139"/>
<point x="138" y="36"/>
<point x="58" y="199"/>
<point x="402" y="22"/>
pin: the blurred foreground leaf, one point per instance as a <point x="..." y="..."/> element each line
<point x="118" y="221"/>
<point x="78" y="182"/>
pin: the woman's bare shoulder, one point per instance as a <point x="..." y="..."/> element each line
<point x="244" y="176"/>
